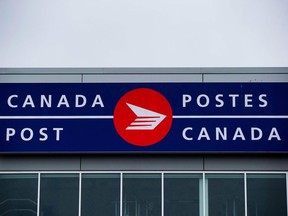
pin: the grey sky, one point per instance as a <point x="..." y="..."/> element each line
<point x="143" y="33"/>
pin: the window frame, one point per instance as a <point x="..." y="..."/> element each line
<point x="162" y="173"/>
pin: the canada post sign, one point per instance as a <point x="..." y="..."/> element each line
<point x="144" y="117"/>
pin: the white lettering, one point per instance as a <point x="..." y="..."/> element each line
<point x="77" y="101"/>
<point x="184" y="133"/>
<point x="233" y="96"/>
<point x="30" y="134"/>
<point x="28" y="102"/>
<point x="262" y="99"/>
<point x="9" y="101"/>
<point x="248" y="100"/>
<point x="222" y="133"/>
<point x="274" y="134"/>
<point x="63" y="101"/>
<point x="58" y="130"/>
<point x="9" y="133"/>
<point x="186" y="99"/>
<point x="206" y="100"/>
<point x="44" y="101"/>
<point x="203" y="134"/>
<point x="98" y="101"/>
<point x="218" y="98"/>
<point x="43" y="133"/>
<point x="253" y="133"/>
<point x="238" y="134"/>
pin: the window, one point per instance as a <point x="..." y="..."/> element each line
<point x="100" y="194"/>
<point x="59" y="195"/>
<point x="18" y="194"/>
<point x="143" y="194"/>
<point x="182" y="194"/>
<point x="225" y="194"/>
<point x="266" y="195"/>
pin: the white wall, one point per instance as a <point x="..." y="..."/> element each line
<point x="143" y="33"/>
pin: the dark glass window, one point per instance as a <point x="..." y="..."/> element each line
<point x="18" y="194"/>
<point x="100" y="195"/>
<point x="266" y="194"/>
<point x="59" y="195"/>
<point x="225" y="195"/>
<point x="182" y="194"/>
<point x="142" y="195"/>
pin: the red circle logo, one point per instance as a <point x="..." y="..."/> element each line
<point x="143" y="117"/>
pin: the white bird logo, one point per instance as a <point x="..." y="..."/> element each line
<point x="146" y="119"/>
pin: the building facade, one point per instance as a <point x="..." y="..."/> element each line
<point x="144" y="183"/>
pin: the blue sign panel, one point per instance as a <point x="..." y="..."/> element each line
<point x="144" y="117"/>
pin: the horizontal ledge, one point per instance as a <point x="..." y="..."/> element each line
<point x="139" y="70"/>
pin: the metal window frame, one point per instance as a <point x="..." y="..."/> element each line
<point x="204" y="184"/>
